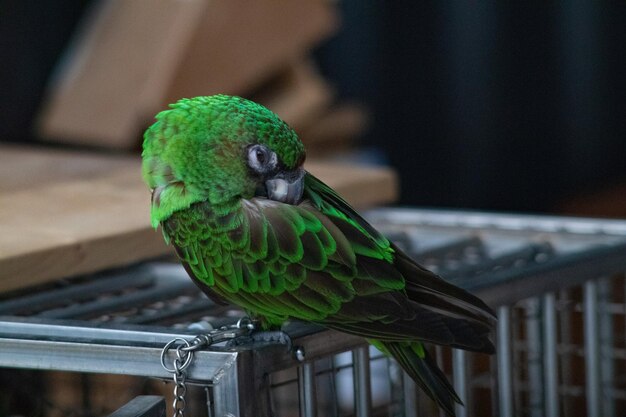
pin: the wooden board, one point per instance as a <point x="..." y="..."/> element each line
<point x="606" y="201"/>
<point x="335" y="130"/>
<point x="66" y="213"/>
<point x="240" y="43"/>
<point x="120" y="61"/>
<point x="299" y="95"/>
<point x="131" y="58"/>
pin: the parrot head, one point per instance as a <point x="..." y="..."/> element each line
<point x="220" y="149"/>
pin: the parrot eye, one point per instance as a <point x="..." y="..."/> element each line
<point x="261" y="159"/>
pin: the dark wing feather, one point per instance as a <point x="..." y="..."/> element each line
<point x="425" y="372"/>
<point x="440" y="312"/>
<point x="429" y="289"/>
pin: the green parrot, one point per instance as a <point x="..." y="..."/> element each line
<point x="254" y="229"/>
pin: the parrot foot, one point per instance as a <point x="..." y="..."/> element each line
<point x="271" y="337"/>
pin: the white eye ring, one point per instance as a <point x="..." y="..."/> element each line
<point x="261" y="159"/>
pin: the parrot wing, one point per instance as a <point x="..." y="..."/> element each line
<point x="442" y="312"/>
<point x="273" y="259"/>
<point x="320" y="261"/>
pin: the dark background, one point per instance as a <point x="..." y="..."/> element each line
<point x="488" y="105"/>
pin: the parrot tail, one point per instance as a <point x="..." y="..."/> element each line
<point x="418" y="364"/>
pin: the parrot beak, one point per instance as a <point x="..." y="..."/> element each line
<point x="286" y="187"/>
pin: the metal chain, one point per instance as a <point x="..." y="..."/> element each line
<point x="184" y="350"/>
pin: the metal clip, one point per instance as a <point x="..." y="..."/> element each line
<point x="185" y="349"/>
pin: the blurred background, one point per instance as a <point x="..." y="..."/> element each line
<point x="475" y="104"/>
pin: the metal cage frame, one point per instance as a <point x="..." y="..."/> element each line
<point x="557" y="253"/>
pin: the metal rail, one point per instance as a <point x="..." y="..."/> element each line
<point x="142" y="406"/>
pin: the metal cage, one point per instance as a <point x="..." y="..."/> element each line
<point x="557" y="285"/>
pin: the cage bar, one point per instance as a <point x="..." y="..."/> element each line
<point x="550" y="362"/>
<point x="592" y="354"/>
<point x="306" y="384"/>
<point x="142" y="406"/>
<point x="362" y="382"/>
<point x="459" y="381"/>
<point x="505" y="360"/>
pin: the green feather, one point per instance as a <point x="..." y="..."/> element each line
<point x="317" y="260"/>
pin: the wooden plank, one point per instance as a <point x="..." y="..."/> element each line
<point x="132" y="58"/>
<point x="299" y="95"/>
<point x="242" y="43"/>
<point x="24" y="167"/>
<point x="361" y="186"/>
<point x="115" y="74"/>
<point x="84" y="213"/>
<point x="606" y="201"/>
<point x="335" y="129"/>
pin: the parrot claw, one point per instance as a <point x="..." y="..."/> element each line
<point x="271" y="337"/>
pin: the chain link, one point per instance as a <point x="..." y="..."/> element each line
<point x="184" y="350"/>
<point x="180" y="390"/>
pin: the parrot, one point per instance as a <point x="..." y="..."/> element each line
<point x="253" y="228"/>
